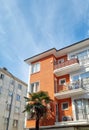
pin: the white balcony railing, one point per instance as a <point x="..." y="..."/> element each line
<point x="69" y="90"/>
<point x="66" y="67"/>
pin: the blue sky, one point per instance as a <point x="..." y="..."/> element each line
<point x="29" y="27"/>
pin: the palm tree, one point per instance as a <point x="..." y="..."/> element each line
<point x="37" y="105"/>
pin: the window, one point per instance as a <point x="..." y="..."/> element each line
<point x="16" y="109"/>
<point x="81" y="80"/>
<point x="12" y="82"/>
<point x="35" y="68"/>
<point x="62" y="81"/>
<point x="80" y="55"/>
<point x="82" y="108"/>
<point x="18" y="97"/>
<point x="0" y="89"/>
<point x="15" y="123"/>
<point x="19" y="86"/>
<point x="34" y="87"/>
<point x="84" y="75"/>
<point x="65" y="106"/>
<point x="10" y="93"/>
<point x="75" y="78"/>
<point x="60" y="61"/>
<point x="1" y="76"/>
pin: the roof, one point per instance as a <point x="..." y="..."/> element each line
<point x="5" y="71"/>
<point x="60" y="52"/>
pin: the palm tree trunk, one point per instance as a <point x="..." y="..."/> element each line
<point x="37" y="124"/>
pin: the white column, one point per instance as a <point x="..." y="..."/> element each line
<point x="73" y="110"/>
<point x="28" y="90"/>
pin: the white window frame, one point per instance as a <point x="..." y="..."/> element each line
<point x="61" y="60"/>
<point x="2" y="76"/>
<point x="34" y="68"/>
<point x="61" y="80"/>
<point x="63" y="104"/>
<point x="15" y="123"/>
<point x="34" y="88"/>
<point x="18" y="97"/>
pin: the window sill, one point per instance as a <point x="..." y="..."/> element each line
<point x="35" y="73"/>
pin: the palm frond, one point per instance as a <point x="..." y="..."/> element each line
<point x="37" y="104"/>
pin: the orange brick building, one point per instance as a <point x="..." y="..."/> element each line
<point x="64" y="74"/>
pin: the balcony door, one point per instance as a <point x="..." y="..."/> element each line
<point x="81" y="106"/>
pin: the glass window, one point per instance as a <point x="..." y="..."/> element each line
<point x="75" y="78"/>
<point x="65" y="106"/>
<point x="1" y="76"/>
<point x="15" y="123"/>
<point x="34" y="87"/>
<point x="35" y="67"/>
<point x="84" y="75"/>
<point x="82" y="54"/>
<point x="62" y="81"/>
<point x="18" y="97"/>
<point x="19" y="86"/>
<point x="10" y="93"/>
<point x="82" y="108"/>
<point x="16" y="109"/>
<point x="81" y="80"/>
<point x="60" y="61"/>
<point x="72" y="56"/>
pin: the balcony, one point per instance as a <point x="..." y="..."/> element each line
<point x="66" y="67"/>
<point x="69" y="90"/>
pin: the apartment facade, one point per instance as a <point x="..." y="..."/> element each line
<point x="64" y="74"/>
<point x="12" y="92"/>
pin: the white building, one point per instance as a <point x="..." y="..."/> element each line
<point x="12" y="92"/>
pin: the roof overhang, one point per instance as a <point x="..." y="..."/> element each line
<point x="60" y="52"/>
<point x="41" y="55"/>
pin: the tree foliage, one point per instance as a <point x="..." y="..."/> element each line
<point x="37" y="105"/>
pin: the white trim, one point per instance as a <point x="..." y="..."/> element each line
<point x="67" y="69"/>
<point x="25" y="120"/>
<point x="34" y="89"/>
<point x="61" y="80"/>
<point x="70" y="93"/>
<point x="28" y="90"/>
<point x="29" y="78"/>
<point x="73" y="110"/>
<point x="34" y="65"/>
